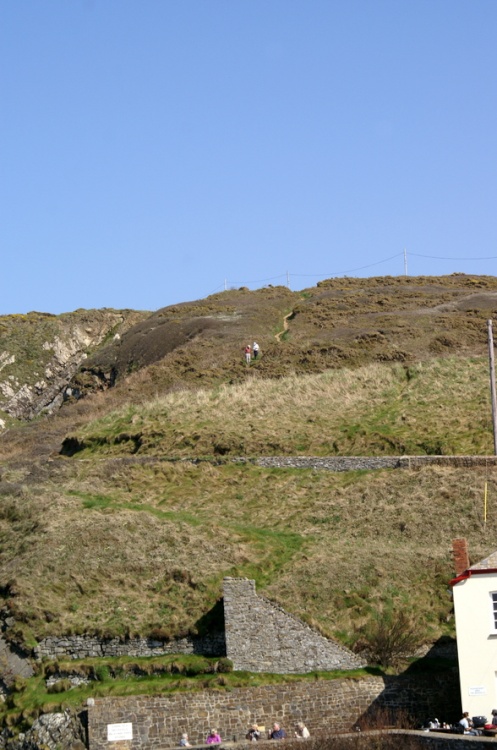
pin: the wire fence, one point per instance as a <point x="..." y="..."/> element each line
<point x="287" y="276"/>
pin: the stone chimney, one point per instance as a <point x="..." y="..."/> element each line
<point x="461" y="557"/>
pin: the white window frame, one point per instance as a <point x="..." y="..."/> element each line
<point x="493" y="604"/>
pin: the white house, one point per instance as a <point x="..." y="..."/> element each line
<point x="475" y="606"/>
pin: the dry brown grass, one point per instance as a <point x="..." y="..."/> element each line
<point x="120" y="548"/>
<point x="436" y="407"/>
<point x="125" y="547"/>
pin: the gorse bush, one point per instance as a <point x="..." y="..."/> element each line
<point x="390" y="637"/>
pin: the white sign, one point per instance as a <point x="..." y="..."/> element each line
<point x="478" y="690"/>
<point x="116" y="732"/>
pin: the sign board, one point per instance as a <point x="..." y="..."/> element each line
<point x="477" y="690"/>
<point x="116" y="732"/>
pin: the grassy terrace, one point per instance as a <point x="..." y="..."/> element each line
<point x="164" y="675"/>
<point x="436" y="407"/>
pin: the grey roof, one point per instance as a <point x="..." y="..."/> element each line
<point x="488" y="562"/>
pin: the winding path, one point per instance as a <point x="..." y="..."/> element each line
<point x="278" y="336"/>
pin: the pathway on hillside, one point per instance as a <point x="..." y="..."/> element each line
<point x="278" y="336"/>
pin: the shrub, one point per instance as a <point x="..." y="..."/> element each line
<point x="390" y="638"/>
<point x="225" y="665"/>
<point x="19" y="684"/>
<point x="199" y="666"/>
<point x="102" y="673"/>
<point x="61" y="686"/>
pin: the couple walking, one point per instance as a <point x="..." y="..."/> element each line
<point x="249" y="352"/>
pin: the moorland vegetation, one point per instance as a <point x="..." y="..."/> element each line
<point x="121" y="513"/>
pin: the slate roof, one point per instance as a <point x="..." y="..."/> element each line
<point x="488" y="562"/>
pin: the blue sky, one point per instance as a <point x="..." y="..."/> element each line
<point x="152" y="151"/>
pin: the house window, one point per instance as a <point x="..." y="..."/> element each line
<point x="494" y="610"/>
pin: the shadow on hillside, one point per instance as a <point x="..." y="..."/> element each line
<point x="427" y="688"/>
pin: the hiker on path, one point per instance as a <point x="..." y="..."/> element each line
<point x="256" y="349"/>
<point x="247" y="351"/>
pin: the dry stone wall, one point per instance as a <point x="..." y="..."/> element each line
<point x="84" y="646"/>
<point x="325" y="463"/>
<point x="326" y="706"/>
<point x="356" y="463"/>
<point x="262" y="637"/>
<point x="259" y="637"/>
<point x="331" y="463"/>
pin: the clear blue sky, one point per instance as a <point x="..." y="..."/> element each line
<point x="152" y="149"/>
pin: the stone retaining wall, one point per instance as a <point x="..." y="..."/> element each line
<point x="326" y="463"/>
<point x="259" y="637"/>
<point x="356" y="463"/>
<point x="84" y="646"/>
<point x="334" y="463"/>
<point x="326" y="706"/>
<point x="262" y="637"/>
<point x="434" y="741"/>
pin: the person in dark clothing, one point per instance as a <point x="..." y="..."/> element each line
<point x="254" y="733"/>
<point x="277" y="732"/>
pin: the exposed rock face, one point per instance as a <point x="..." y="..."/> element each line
<point x="40" y="353"/>
<point x="49" y="732"/>
<point x="12" y="665"/>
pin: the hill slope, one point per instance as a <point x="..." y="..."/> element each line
<point x="114" y="539"/>
<point x="339" y="323"/>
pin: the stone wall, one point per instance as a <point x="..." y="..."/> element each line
<point x="259" y="637"/>
<point x="84" y="646"/>
<point x="326" y="706"/>
<point x="262" y="637"/>
<point x="434" y="741"/>
<point x="356" y="463"/>
<point x="328" y="463"/>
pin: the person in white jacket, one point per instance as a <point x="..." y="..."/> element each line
<point x="302" y="731"/>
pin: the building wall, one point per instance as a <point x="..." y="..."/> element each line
<point x="262" y="637"/>
<point x="476" y="643"/>
<point x="326" y="706"/>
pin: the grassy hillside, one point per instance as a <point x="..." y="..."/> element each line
<point x="135" y="545"/>
<point x="121" y="548"/>
<point x="441" y="406"/>
<point x="339" y="323"/>
<point x="99" y="533"/>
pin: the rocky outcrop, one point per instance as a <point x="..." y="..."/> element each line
<point x="12" y="665"/>
<point x="49" y="732"/>
<point x="40" y="354"/>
